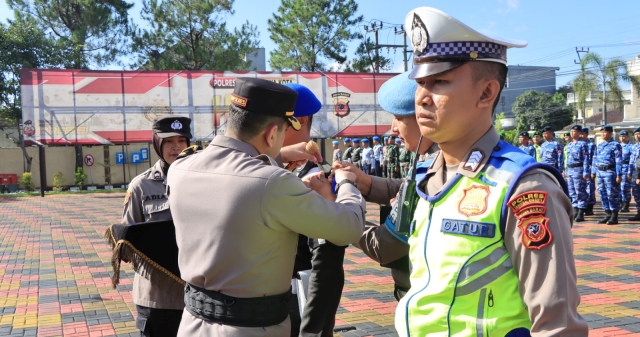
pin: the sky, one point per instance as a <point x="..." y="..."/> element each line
<point x="553" y="28"/>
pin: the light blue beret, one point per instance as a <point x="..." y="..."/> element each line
<point x="398" y="140"/>
<point x="376" y="138"/>
<point x="356" y="140"/>
<point x="397" y="95"/>
<point x="307" y="103"/>
<point x="335" y="142"/>
<point x="347" y="140"/>
<point x="365" y="140"/>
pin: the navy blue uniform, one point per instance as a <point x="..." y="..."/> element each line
<point x="607" y="163"/>
<point x="625" y="185"/>
<point x="635" y="188"/>
<point x="551" y="153"/>
<point x="591" y="183"/>
<point x="578" y="168"/>
<point x="529" y="149"/>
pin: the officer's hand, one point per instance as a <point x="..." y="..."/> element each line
<point x="638" y="181"/>
<point x="629" y="177"/>
<point x="618" y="180"/>
<point x="320" y="184"/>
<point x="362" y="179"/>
<point x="297" y="153"/>
<point x="585" y="177"/>
<point x="593" y="176"/>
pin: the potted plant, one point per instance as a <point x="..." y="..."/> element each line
<point x="58" y="182"/>
<point x="26" y="182"/>
<point x="80" y="178"/>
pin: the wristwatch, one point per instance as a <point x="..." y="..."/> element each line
<point x="345" y="181"/>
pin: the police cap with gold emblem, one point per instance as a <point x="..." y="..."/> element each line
<point x="441" y="42"/>
<point x="267" y="98"/>
<point x="172" y="125"/>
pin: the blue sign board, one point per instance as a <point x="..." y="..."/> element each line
<point x="144" y="153"/>
<point x="121" y="158"/>
<point x="136" y="158"/>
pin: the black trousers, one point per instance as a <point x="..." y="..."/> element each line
<point x="154" y="322"/>
<point x="325" y="289"/>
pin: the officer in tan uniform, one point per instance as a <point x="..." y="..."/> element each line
<point x="237" y="215"/>
<point x="382" y="243"/>
<point x="491" y="247"/>
<point x="159" y="312"/>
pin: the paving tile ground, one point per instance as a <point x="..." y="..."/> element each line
<point x="55" y="267"/>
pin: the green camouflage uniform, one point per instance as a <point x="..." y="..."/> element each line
<point x="393" y="154"/>
<point x="405" y="161"/>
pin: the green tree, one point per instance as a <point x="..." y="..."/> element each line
<point x="91" y="31"/>
<point x="539" y="109"/>
<point x="365" y="59"/>
<point x="583" y="84"/>
<point x="509" y="136"/>
<point x="310" y="32"/>
<point x="191" y="35"/>
<point x="22" y="45"/>
<point x="609" y="75"/>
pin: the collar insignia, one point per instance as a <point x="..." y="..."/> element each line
<point x="419" y="35"/>
<point x="475" y="158"/>
<point x="157" y="175"/>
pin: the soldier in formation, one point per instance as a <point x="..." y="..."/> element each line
<point x="607" y="165"/>
<point x="393" y="152"/>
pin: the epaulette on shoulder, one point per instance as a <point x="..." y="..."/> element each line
<point x="189" y="151"/>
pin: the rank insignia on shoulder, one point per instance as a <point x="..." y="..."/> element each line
<point x="535" y="232"/>
<point x="474" y="160"/>
<point x="189" y="151"/>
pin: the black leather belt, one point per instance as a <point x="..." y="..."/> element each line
<point x="625" y="163"/>
<point x="216" y="307"/>
<point x="574" y="165"/>
<point x="606" y="167"/>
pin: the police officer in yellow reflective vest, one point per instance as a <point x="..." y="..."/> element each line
<point x="491" y="248"/>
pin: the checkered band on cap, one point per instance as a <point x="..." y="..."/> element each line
<point x="460" y="48"/>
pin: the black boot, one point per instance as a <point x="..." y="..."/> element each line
<point x="580" y="215"/>
<point x="614" y="218"/>
<point x="606" y="218"/>
<point x="575" y="213"/>
<point x="625" y="207"/>
<point x="635" y="217"/>
<point x="589" y="210"/>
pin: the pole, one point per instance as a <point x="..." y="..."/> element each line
<point x="43" y="170"/>
<point x="91" y="174"/>
<point x="377" y="62"/>
<point x="404" y="53"/>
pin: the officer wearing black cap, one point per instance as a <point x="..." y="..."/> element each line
<point x="159" y="312"/>
<point x="634" y="174"/>
<point x="577" y="172"/>
<point x="625" y="186"/>
<point x="523" y="138"/>
<point x="607" y="165"/>
<point x="237" y="217"/>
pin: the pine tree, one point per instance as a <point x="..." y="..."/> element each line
<point x="308" y="33"/>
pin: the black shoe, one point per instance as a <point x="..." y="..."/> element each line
<point x="635" y="217"/>
<point x="606" y="218"/>
<point x="625" y="207"/>
<point x="614" y="218"/>
<point x="575" y="213"/>
<point x="589" y="210"/>
<point x="580" y="215"/>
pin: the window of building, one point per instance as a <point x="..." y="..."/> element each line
<point x="589" y="113"/>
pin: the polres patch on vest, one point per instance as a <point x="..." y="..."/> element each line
<point x="474" y="201"/>
<point x="470" y="228"/>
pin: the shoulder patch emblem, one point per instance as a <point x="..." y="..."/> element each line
<point x="524" y="201"/>
<point x="127" y="197"/>
<point x="157" y="176"/>
<point x="474" y="201"/>
<point x="474" y="160"/>
<point x="535" y="232"/>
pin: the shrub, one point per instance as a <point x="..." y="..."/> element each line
<point x="80" y="178"/>
<point x="26" y="182"/>
<point x="58" y="181"/>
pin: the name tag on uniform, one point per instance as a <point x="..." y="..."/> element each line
<point x="471" y="228"/>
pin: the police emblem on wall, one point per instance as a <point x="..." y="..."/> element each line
<point x="474" y="201"/>
<point x="341" y="104"/>
<point x="29" y="130"/>
<point x="419" y="35"/>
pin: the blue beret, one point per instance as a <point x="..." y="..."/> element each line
<point x="577" y="127"/>
<point x="636" y="130"/>
<point x="397" y="95"/>
<point x="347" y="140"/>
<point x="398" y="140"/>
<point x="335" y="142"/>
<point x="307" y="103"/>
<point x="376" y="138"/>
<point x="356" y="140"/>
<point x="607" y="128"/>
<point x="387" y="138"/>
<point x="547" y="128"/>
<point x="365" y="140"/>
<point x="585" y="130"/>
<point x="624" y="133"/>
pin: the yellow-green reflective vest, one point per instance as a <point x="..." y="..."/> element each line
<point x="462" y="280"/>
<point x="538" y="152"/>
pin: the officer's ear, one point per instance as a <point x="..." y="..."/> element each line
<point x="270" y="134"/>
<point x="490" y="91"/>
